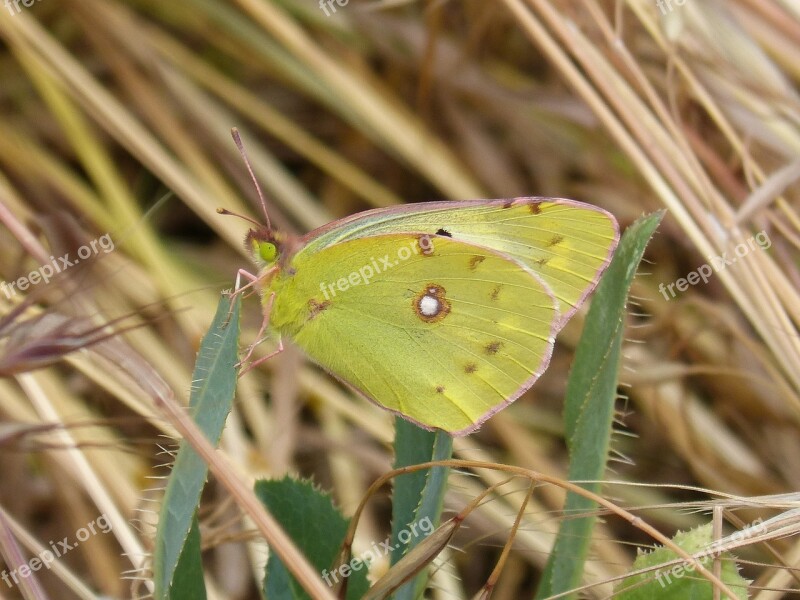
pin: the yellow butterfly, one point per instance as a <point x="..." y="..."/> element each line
<point x="441" y="312"/>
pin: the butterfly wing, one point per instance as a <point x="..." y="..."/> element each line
<point x="443" y="332"/>
<point x="567" y="243"/>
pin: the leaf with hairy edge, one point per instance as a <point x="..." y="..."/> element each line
<point x="211" y="399"/>
<point x="589" y="405"/>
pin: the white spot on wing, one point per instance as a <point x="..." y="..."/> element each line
<point x="429" y="306"/>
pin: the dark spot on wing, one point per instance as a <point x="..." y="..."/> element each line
<point x="314" y="307"/>
<point x="541" y="261"/>
<point x="493" y="347"/>
<point x="440" y="389"/>
<point x="555" y="240"/>
<point x="444" y="232"/>
<point x="475" y="261"/>
<point x="495" y="292"/>
<point x="425" y="244"/>
<point x="534" y="208"/>
<point x="470" y="368"/>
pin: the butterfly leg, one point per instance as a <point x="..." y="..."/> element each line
<point x="239" y="288"/>
<point x="259" y="339"/>
<point x="252" y="365"/>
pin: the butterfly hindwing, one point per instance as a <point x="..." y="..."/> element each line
<point x="567" y="243"/>
<point x="439" y="330"/>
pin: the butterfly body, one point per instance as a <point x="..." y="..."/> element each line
<point x="442" y="312"/>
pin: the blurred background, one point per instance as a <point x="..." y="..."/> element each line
<point x="115" y="149"/>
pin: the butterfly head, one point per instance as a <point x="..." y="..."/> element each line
<point x="265" y="246"/>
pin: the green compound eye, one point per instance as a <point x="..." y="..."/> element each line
<point x="267" y="251"/>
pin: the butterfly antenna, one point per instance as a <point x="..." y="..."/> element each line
<point x="238" y="141"/>
<point x="225" y="211"/>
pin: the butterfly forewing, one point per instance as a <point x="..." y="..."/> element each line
<point x="442" y="331"/>
<point x="567" y="243"/>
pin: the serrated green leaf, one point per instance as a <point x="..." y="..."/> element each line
<point x="589" y="405"/>
<point x="317" y="528"/>
<point x="679" y="581"/>
<point x="211" y="399"/>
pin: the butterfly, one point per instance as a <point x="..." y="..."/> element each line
<point x="441" y="312"/>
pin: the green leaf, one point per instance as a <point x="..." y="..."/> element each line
<point x="589" y="405"/>
<point x="412" y="446"/>
<point x="211" y="400"/>
<point x="679" y="581"/>
<point x="318" y="529"/>
<point x="188" y="582"/>
<point x="428" y="511"/>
